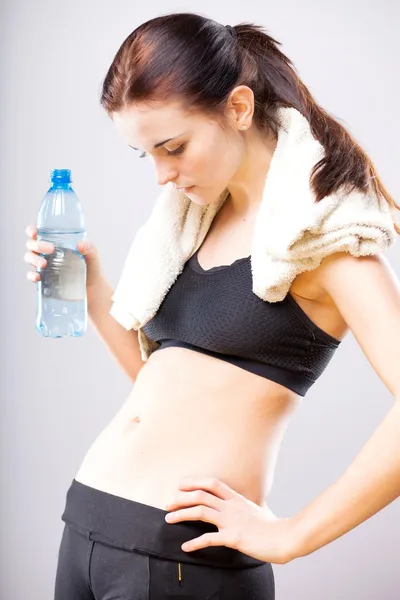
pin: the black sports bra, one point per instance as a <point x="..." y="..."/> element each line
<point x="215" y="311"/>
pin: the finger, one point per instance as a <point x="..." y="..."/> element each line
<point x="209" y="484"/>
<point x="196" y="513"/>
<point x="39" y="246"/>
<point x="84" y="247"/>
<point x="31" y="230"/>
<point x="196" y="497"/>
<point x="33" y="276"/>
<point x="204" y="541"/>
<point x="35" y="260"/>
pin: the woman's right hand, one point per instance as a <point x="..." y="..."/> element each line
<point x="37" y="247"/>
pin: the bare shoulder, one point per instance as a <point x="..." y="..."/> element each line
<point x="342" y="269"/>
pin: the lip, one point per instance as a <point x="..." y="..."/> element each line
<point x="185" y="189"/>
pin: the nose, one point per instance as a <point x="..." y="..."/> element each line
<point x="165" y="174"/>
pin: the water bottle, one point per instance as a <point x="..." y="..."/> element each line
<point x="61" y="291"/>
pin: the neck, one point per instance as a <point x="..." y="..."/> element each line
<point x="247" y="186"/>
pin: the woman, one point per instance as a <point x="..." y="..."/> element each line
<point x="215" y="398"/>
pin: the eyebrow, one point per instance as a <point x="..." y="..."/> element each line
<point x="159" y="143"/>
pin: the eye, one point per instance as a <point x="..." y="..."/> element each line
<point x="177" y="151"/>
<point x="169" y="152"/>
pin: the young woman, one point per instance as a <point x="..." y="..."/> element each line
<point x="215" y="398"/>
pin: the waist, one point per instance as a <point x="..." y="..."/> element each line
<point x="139" y="527"/>
<point x="181" y="420"/>
<point x="149" y="469"/>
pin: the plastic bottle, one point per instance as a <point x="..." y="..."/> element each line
<point x="61" y="291"/>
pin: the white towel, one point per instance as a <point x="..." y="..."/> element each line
<point x="292" y="232"/>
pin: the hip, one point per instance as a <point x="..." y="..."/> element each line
<point x="127" y="543"/>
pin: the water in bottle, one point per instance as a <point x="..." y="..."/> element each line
<point x="61" y="291"/>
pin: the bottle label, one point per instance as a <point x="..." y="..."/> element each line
<point x="64" y="277"/>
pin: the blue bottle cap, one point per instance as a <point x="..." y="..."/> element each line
<point x="61" y="176"/>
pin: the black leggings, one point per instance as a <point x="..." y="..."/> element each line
<point x="117" y="549"/>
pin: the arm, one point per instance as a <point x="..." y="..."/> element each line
<point x="368" y="296"/>
<point x="124" y="345"/>
<point x="370" y="483"/>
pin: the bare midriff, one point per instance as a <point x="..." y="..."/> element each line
<point x="190" y="414"/>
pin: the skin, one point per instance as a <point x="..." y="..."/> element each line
<point x="243" y="156"/>
<point x="156" y="413"/>
<point x="245" y="416"/>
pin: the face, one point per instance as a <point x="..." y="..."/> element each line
<point x="199" y="153"/>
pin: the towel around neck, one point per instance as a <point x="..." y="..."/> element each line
<point x="292" y="232"/>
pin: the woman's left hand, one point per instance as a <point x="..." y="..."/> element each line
<point x="242" y="524"/>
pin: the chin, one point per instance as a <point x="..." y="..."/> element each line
<point x="200" y="199"/>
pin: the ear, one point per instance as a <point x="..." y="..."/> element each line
<point x="241" y="106"/>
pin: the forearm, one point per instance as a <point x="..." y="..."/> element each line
<point x="370" y="483"/>
<point x="124" y="345"/>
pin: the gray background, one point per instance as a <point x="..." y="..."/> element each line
<point x="56" y="395"/>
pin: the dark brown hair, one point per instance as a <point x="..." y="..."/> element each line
<point x="196" y="61"/>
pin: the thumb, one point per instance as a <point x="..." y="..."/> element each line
<point x="86" y="248"/>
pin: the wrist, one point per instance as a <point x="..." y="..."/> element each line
<point x="289" y="546"/>
<point x="296" y="545"/>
